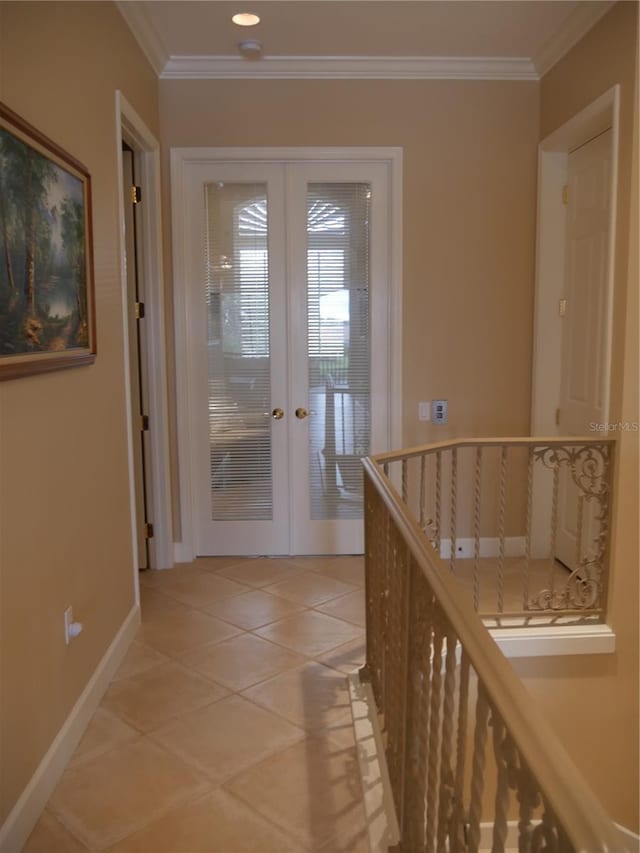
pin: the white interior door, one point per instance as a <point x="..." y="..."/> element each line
<point x="287" y="270"/>
<point x="584" y="338"/>
<point x="338" y="258"/>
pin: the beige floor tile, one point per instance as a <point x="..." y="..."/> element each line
<point x="199" y="590"/>
<point x="104" y="732"/>
<point x="353" y="841"/>
<point x="341" y="732"/>
<point x="261" y="572"/>
<point x="347" y="658"/>
<point x="513" y="581"/>
<point x="312" y="790"/>
<point x="310" y="588"/>
<point x="349" y="607"/>
<point x="225" y="738"/>
<point x="310" y="633"/>
<point x="157" y="578"/>
<point x="313" y="564"/>
<point x="215" y="564"/>
<point x="152" y="600"/>
<point x="253" y="609"/>
<point x="241" y="661"/>
<point x="138" y="658"/>
<point x="217" y="823"/>
<point x="50" y="836"/>
<point x="312" y="696"/>
<point x="174" y="632"/>
<point x="347" y="569"/>
<point x="107" y="798"/>
<point x="157" y="695"/>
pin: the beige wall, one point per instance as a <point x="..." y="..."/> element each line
<point x="594" y="703"/>
<point x="469" y="218"/>
<point x="64" y="506"/>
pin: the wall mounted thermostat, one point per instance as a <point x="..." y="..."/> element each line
<point x="439" y="411"/>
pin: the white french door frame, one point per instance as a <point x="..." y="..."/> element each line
<point x="183" y="163"/>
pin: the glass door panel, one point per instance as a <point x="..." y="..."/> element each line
<point x="238" y="345"/>
<point x="338" y="346"/>
<point x="237" y="320"/>
<point x="338" y="266"/>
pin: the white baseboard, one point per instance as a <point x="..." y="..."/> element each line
<point x="511" y="841"/>
<point x="24" y="815"/>
<point x="631" y="839"/>
<point x="514" y="546"/>
<point x="182" y="552"/>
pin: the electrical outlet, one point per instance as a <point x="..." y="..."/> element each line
<point x="464" y="548"/>
<point x="439" y="411"/>
<point x="71" y="628"/>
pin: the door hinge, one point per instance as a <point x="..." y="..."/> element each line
<point x="148" y="531"/>
<point x="565" y="194"/>
<point x="557" y="417"/>
<point x="562" y="307"/>
<point x="139" y="310"/>
<point x="144" y="422"/>
<point x="136" y="195"/>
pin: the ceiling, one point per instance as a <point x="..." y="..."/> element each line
<point x="512" y="39"/>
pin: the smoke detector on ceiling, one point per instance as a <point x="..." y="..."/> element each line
<point x="250" y="49"/>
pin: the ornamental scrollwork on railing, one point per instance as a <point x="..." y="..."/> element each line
<point x="589" y="468"/>
<point x="588" y="464"/>
<point x="430" y="530"/>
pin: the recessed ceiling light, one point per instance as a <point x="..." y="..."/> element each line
<point x="246" y="19"/>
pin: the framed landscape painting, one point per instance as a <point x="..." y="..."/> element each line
<point x="47" y="312"/>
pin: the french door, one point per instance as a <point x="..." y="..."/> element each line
<point x="286" y="283"/>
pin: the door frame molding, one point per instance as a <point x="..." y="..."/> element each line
<point x="184" y="158"/>
<point x="553" y="157"/>
<point x="131" y="129"/>
<point x="553" y="154"/>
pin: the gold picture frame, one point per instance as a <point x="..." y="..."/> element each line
<point x="47" y="301"/>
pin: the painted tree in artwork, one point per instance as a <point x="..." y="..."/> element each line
<point x="25" y="180"/>
<point x="43" y="252"/>
<point x="7" y="206"/>
<point x="73" y="240"/>
<point x="39" y="173"/>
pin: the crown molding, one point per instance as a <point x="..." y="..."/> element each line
<point x="573" y="28"/>
<point x="349" y="68"/>
<point x="144" y="33"/>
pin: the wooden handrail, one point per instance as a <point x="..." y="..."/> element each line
<point x="524" y="441"/>
<point x="576" y="807"/>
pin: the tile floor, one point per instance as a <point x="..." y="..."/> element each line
<point x="227" y="727"/>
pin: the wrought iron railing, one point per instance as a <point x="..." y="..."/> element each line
<point x="522" y="523"/>
<point x="466" y="750"/>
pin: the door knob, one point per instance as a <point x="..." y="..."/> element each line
<point x="301" y="413"/>
<point x="277" y="414"/>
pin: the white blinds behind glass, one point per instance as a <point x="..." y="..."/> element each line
<point x="237" y="282"/>
<point x="338" y="345"/>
